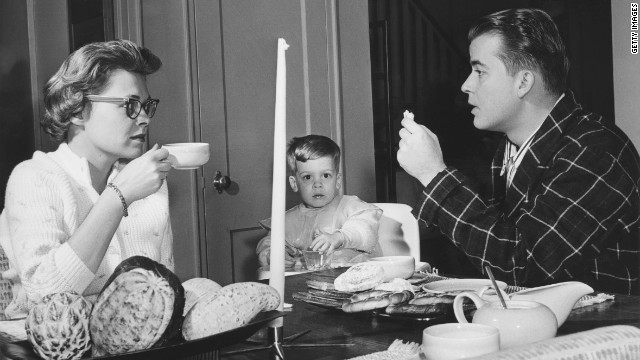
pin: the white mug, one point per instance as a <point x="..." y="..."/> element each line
<point x="459" y="341"/>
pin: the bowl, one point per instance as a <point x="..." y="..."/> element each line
<point x="397" y="266"/>
<point x="316" y="260"/>
<point x="184" y="156"/>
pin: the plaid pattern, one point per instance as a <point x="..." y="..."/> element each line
<point x="571" y="213"/>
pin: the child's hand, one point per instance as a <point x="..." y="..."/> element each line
<point x="327" y="243"/>
<point x="292" y="256"/>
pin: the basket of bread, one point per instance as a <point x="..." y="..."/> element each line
<point x="144" y="311"/>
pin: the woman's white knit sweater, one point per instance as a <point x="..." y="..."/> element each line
<point x="47" y="199"/>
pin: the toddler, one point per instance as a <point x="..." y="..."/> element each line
<point x="325" y="220"/>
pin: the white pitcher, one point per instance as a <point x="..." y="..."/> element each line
<point x="560" y="297"/>
<point x="522" y="322"/>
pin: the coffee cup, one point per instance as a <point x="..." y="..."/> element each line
<point x="185" y="156"/>
<point x="459" y="341"/>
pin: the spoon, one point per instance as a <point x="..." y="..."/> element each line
<point x="495" y="286"/>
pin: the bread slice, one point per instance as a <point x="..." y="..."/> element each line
<point x="360" y="277"/>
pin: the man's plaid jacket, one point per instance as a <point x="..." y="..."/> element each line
<point x="571" y="213"/>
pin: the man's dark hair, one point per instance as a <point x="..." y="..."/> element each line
<point x="530" y="40"/>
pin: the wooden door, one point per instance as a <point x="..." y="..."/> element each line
<point x="239" y="99"/>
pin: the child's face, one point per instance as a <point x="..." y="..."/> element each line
<point x="317" y="181"/>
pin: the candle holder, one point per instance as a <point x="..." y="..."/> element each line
<point x="276" y="344"/>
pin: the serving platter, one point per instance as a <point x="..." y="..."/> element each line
<point x="178" y="348"/>
<point x="322" y="293"/>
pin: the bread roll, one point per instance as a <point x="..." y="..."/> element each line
<point x="360" y="277"/>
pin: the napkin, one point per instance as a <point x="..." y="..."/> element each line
<point x="605" y="343"/>
<point x="398" y="350"/>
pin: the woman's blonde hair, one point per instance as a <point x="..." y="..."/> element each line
<point x="87" y="71"/>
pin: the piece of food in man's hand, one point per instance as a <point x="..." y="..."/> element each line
<point x="360" y="277"/>
<point x="58" y="326"/>
<point x="139" y="307"/>
<point x="408" y="115"/>
<point x="422" y="310"/>
<point x="232" y="306"/>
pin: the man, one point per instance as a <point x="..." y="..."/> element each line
<point x="565" y="202"/>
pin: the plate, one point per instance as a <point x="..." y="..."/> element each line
<point x="323" y="301"/>
<point x="410" y="317"/>
<point x="181" y="349"/>
<point x="460" y="285"/>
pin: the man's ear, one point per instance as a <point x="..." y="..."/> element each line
<point x="293" y="183"/>
<point x="525" y="79"/>
<point x="339" y="181"/>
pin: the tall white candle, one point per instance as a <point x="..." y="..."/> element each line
<point x="279" y="189"/>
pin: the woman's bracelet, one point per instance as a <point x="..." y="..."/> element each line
<point x="125" y="211"/>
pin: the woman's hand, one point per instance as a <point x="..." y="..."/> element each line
<point x="144" y="175"/>
<point x="327" y="243"/>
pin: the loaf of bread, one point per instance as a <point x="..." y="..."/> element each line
<point x="228" y="308"/>
<point x="360" y="277"/>
<point x="196" y="289"/>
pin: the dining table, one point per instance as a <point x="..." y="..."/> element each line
<point x="313" y="332"/>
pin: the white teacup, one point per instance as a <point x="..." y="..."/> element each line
<point x="184" y="156"/>
<point x="459" y="341"/>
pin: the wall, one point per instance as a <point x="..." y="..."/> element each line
<point x="626" y="72"/>
<point x="16" y="118"/>
<point x="353" y="35"/>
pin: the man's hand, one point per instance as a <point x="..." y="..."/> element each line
<point x="419" y="153"/>
<point x="327" y="243"/>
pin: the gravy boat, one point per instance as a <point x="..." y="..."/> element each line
<point x="560" y="297"/>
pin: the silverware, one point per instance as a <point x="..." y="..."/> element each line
<point x="495" y="286"/>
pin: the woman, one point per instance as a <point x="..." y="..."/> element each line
<point x="72" y="215"/>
